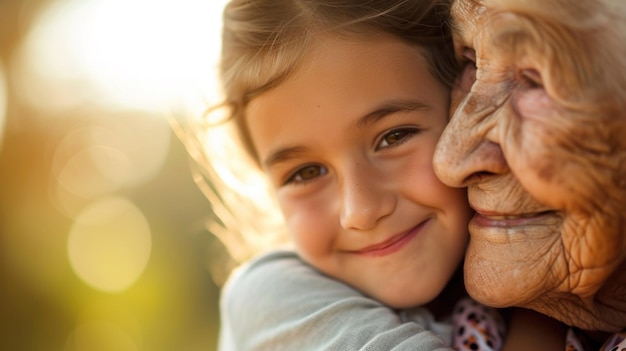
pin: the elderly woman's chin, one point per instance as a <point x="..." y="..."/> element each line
<point x="503" y="269"/>
<point x="547" y="268"/>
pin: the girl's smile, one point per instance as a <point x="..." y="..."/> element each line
<point x="393" y="244"/>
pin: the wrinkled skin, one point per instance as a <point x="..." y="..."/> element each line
<point x="541" y="145"/>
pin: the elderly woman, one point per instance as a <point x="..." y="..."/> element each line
<point x="539" y="138"/>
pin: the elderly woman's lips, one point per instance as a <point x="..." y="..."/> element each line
<point x="495" y="219"/>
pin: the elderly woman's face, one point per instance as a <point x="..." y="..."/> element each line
<point x="545" y="176"/>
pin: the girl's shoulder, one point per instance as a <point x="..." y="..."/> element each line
<point x="275" y="280"/>
<point x="267" y="273"/>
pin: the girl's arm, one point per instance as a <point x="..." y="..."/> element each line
<point x="280" y="303"/>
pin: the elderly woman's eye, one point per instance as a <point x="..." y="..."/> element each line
<point x="531" y="78"/>
<point x="468" y="73"/>
<point x="469" y="55"/>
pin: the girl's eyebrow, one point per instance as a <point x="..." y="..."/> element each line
<point x="373" y="117"/>
<point x="389" y="108"/>
<point x="284" y="154"/>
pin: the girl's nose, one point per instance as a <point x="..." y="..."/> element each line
<point x="366" y="200"/>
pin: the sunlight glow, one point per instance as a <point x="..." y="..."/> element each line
<point x="132" y="53"/>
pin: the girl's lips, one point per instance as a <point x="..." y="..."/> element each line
<point x="392" y="244"/>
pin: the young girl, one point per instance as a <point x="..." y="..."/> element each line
<point x="340" y="104"/>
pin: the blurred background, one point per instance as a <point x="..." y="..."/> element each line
<point x="103" y="244"/>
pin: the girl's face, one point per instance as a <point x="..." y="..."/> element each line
<point x="347" y="142"/>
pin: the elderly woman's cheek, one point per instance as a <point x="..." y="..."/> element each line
<point x="540" y="153"/>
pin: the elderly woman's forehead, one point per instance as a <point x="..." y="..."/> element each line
<point x="465" y="18"/>
<point x="466" y="9"/>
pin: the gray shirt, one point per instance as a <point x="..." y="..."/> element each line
<point x="278" y="302"/>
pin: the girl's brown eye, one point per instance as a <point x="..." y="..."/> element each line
<point x="531" y="78"/>
<point x="307" y="173"/>
<point x="396" y="137"/>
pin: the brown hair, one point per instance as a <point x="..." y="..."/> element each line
<point x="263" y="41"/>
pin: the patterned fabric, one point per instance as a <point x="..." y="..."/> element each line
<point x="476" y="327"/>
<point x="617" y="342"/>
<point x="480" y="328"/>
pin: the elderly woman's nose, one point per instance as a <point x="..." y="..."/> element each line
<point x="464" y="155"/>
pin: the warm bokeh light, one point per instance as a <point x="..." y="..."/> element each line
<point x="142" y="142"/>
<point x="100" y="336"/>
<point x="109" y="244"/>
<point x="119" y="151"/>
